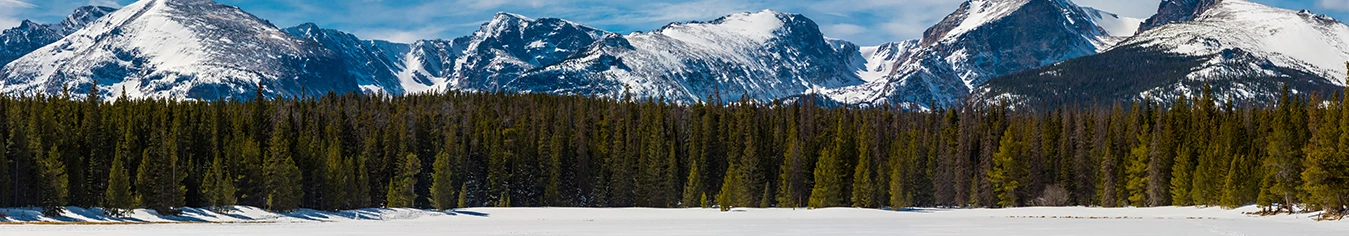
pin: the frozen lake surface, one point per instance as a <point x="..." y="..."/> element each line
<point x="638" y="221"/>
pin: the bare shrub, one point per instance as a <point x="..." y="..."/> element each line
<point x="1053" y="195"/>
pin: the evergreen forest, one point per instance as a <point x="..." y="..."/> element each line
<point x="457" y="150"/>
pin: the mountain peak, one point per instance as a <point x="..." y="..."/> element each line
<point x="511" y="16"/>
<point x="1178" y="10"/>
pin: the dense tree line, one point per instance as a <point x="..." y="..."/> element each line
<point x="522" y="150"/>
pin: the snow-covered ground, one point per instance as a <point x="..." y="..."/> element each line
<point x="637" y="221"/>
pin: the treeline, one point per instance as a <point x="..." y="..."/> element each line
<point x="512" y="150"/>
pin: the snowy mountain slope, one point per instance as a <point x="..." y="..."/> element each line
<point x="500" y="51"/>
<point x="876" y="62"/>
<point x="184" y="49"/>
<point x="373" y="63"/>
<point x="765" y="55"/>
<point x="1245" y="50"/>
<point x="29" y="36"/>
<point x="988" y="38"/>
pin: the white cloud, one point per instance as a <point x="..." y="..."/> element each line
<point x="843" y="30"/>
<point x="9" y="10"/>
<point x="1131" y="8"/>
<point x="1338" y="5"/>
<point x="401" y="36"/>
<point x="106" y="3"/>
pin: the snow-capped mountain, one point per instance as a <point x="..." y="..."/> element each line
<point x="499" y="52"/>
<point x="373" y="63"/>
<point x="764" y="55"/>
<point x="179" y="49"/>
<point x="989" y="38"/>
<point x="767" y="55"/>
<point x="29" y="36"/>
<point x="1245" y="50"/>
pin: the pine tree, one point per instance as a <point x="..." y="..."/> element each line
<point x="54" y="182"/>
<point x="828" y="189"/>
<point x="401" y="188"/>
<point x="899" y="196"/>
<point x="727" y="196"/>
<point x="1181" y="178"/>
<point x="118" y="199"/>
<point x="1325" y="177"/>
<point x="863" y="187"/>
<point x="1283" y="163"/>
<point x="159" y="178"/>
<point x="337" y="174"/>
<point x="793" y="170"/>
<point x="442" y="187"/>
<point x="1136" y="168"/>
<point x="693" y="188"/>
<point x="218" y="187"/>
<point x="463" y="196"/>
<point x="1005" y="175"/>
<point x="283" y="176"/>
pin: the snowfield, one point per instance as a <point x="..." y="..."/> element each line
<point x="641" y="221"/>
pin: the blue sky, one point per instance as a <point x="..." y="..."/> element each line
<point x="866" y="22"/>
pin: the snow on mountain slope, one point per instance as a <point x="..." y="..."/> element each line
<point x="184" y="49"/>
<point x="1245" y="51"/>
<point x="876" y="62"/>
<point x="1297" y="40"/>
<point x="984" y="39"/>
<point x="372" y="63"/>
<point x="29" y="36"/>
<point x="765" y="55"/>
<point x="1117" y="28"/>
<point x="501" y="50"/>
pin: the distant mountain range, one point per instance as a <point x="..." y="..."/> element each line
<point x="1018" y="52"/>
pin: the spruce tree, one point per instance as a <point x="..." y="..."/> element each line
<point x="727" y="196"/>
<point x="693" y="188"/>
<point x="283" y="181"/>
<point x="1136" y="168"/>
<point x="218" y="187"/>
<point x="337" y="174"/>
<point x="442" y="186"/>
<point x="828" y="189"/>
<point x="159" y="178"/>
<point x="1181" y="176"/>
<point x="1325" y="177"/>
<point x="463" y="196"/>
<point x="118" y="199"/>
<point x="1005" y="175"/>
<point x="1282" y="165"/>
<point x="793" y="171"/>
<point x="401" y="187"/>
<point x="899" y="196"/>
<point x="863" y="187"/>
<point x="53" y="182"/>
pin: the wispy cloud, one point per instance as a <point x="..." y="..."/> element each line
<point x="9" y="10"/>
<point x="1338" y="5"/>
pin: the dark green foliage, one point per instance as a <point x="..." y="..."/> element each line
<point x="829" y="170"/>
<point x="442" y="186"/>
<point x="118" y="200"/>
<point x="401" y="191"/>
<point x="283" y="177"/>
<point x="54" y="184"/>
<point x="458" y="150"/>
<point x="217" y="187"/>
<point x="1007" y="171"/>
